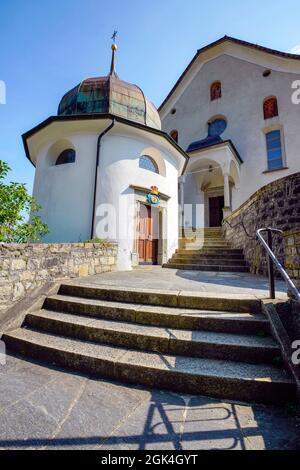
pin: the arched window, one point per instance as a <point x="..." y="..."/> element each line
<point x="270" y="108"/>
<point x="216" y="127"/>
<point x="147" y="163"/>
<point x="66" y="156"/>
<point x="274" y="150"/>
<point x="215" y="91"/>
<point x="174" y="135"/>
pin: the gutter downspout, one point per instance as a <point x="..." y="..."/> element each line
<point x="96" y="173"/>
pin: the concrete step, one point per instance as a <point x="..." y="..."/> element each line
<point x="202" y="247"/>
<point x="210" y="239"/>
<point x="219" y="240"/>
<point x="208" y="261"/>
<point x="206" y="247"/>
<point x="199" y="257"/>
<point x="207" y="268"/>
<point x="211" y="345"/>
<point x="198" y="246"/>
<point x="215" y="256"/>
<point x="217" y="230"/>
<point x="207" y="239"/>
<point x="212" y="234"/>
<point x="217" y="235"/>
<point x="200" y="243"/>
<point x="170" y="317"/>
<point x="181" y="299"/>
<point x="210" y="251"/>
<point x="211" y="377"/>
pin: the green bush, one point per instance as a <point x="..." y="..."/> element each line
<point x="19" y="222"/>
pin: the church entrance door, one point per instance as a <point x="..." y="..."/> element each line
<point x="148" y="234"/>
<point x="216" y="205"/>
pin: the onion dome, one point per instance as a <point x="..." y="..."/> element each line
<point x="110" y="95"/>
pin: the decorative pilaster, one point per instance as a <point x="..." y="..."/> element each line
<point x="227" y="203"/>
<point x="181" y="203"/>
<point x="226" y="190"/>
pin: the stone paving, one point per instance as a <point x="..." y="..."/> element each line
<point x="47" y="408"/>
<point x="155" y="277"/>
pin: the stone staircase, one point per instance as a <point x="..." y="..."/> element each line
<point x="206" y="250"/>
<point x="185" y="342"/>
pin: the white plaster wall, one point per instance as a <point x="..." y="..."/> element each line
<point x="65" y="192"/>
<point x="243" y="92"/>
<point x="118" y="169"/>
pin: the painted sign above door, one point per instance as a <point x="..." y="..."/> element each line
<point x="153" y="196"/>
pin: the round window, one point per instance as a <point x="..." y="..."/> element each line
<point x="67" y="156"/>
<point x="147" y="163"/>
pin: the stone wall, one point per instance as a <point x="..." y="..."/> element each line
<point x="24" y="267"/>
<point x="292" y="255"/>
<point x="275" y="205"/>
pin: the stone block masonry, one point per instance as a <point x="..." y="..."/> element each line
<point x="292" y="255"/>
<point x="276" y="205"/>
<point x="24" y="267"/>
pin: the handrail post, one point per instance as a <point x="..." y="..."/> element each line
<point x="271" y="266"/>
<point x="275" y="261"/>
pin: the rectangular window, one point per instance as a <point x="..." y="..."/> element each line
<point x="274" y="150"/>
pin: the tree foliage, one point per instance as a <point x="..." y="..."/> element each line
<point x="19" y="222"/>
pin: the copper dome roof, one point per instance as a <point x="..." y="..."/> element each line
<point x="111" y="95"/>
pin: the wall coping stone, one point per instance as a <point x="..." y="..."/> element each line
<point x="289" y="233"/>
<point x="259" y="193"/>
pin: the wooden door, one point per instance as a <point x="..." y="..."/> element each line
<point x="148" y="234"/>
<point x="216" y="205"/>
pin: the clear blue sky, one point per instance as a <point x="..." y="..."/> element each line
<point x="48" y="46"/>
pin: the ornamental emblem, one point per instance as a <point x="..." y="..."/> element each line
<point x="153" y="196"/>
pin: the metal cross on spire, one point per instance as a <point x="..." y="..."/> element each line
<point x="114" y="47"/>
<point x="114" y="36"/>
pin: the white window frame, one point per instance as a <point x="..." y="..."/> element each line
<point x="267" y="130"/>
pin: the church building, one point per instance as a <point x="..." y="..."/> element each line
<point x="232" y="111"/>
<point x="112" y="166"/>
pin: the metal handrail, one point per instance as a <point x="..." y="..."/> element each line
<point x="272" y="259"/>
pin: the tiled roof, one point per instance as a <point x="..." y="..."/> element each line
<point x="207" y="142"/>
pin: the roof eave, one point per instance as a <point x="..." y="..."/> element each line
<point x="81" y="117"/>
<point x="220" y="144"/>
